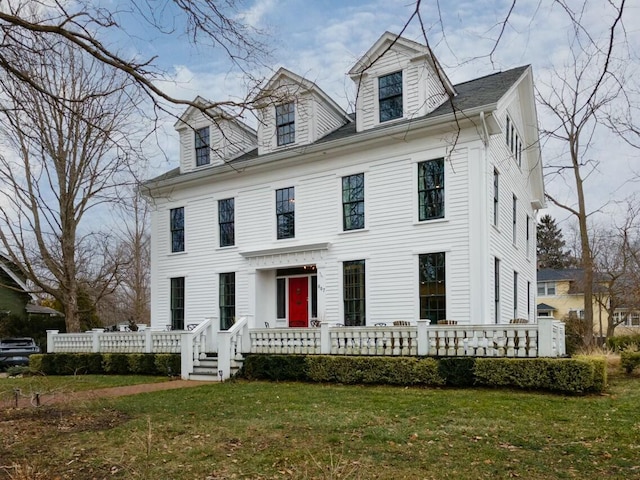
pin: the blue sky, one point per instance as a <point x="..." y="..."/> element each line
<point x="322" y="39"/>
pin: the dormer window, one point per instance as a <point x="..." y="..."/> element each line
<point x="286" y="123"/>
<point x="390" y="96"/>
<point x="202" y="147"/>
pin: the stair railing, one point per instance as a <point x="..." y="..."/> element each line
<point x="195" y="343"/>
<point x="232" y="344"/>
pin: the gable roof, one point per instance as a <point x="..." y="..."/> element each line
<point x="8" y="267"/>
<point x="386" y="42"/>
<point x="474" y="95"/>
<point x="543" y="307"/>
<point x="553" y="275"/>
<point x="306" y="84"/>
<point x="215" y="111"/>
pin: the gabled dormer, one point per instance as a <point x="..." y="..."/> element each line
<point x="397" y="79"/>
<point x="212" y="138"/>
<point x="293" y="111"/>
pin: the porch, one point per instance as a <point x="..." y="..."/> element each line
<point x="209" y="352"/>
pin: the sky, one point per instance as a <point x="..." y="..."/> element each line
<point x="322" y="39"/>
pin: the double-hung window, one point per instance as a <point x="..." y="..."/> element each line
<point x="353" y="202"/>
<point x="177" y="303"/>
<point x="285" y="212"/>
<point x="546" y="288"/>
<point x="433" y="287"/>
<point x="496" y="289"/>
<point x="390" y="96"/>
<point x="226" y="222"/>
<point x="354" y="293"/>
<point x="203" y="150"/>
<point x="431" y="189"/>
<point x="176" y="221"/>
<point x="227" y="300"/>
<point x="286" y="123"/>
<point x="515" y="294"/>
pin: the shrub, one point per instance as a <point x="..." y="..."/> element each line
<point x="275" y="367"/>
<point x="457" y="371"/>
<point x="629" y="361"/>
<point x="623" y="342"/>
<point x="109" y="363"/>
<point x="574" y="376"/>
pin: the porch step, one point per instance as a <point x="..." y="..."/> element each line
<point x="208" y="369"/>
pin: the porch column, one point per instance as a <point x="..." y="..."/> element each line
<point x="251" y="297"/>
<point x="321" y="293"/>
<point x="423" y="337"/>
<point x="545" y="337"/>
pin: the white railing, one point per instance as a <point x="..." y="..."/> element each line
<point x="546" y="338"/>
<point x="232" y="344"/>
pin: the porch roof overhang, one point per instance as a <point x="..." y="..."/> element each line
<point x="286" y="256"/>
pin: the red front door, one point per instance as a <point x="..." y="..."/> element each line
<point x="299" y="302"/>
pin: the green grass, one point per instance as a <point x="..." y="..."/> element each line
<point x="257" y="430"/>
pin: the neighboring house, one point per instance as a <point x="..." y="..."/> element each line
<point x="418" y="206"/>
<point x="15" y="297"/>
<point x="561" y="294"/>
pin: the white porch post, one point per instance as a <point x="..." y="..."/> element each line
<point x="423" y="337"/>
<point x="148" y="345"/>
<point x="325" y="338"/>
<point x="186" y="355"/>
<point x="50" y="335"/>
<point x="545" y="337"/>
<point x="95" y="339"/>
<point x="224" y="354"/>
<point x="251" y="300"/>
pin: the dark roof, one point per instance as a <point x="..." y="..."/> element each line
<point x="469" y="95"/>
<point x="39" y="309"/>
<point x="543" y="307"/>
<point x="551" y="275"/>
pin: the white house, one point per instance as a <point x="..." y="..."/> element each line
<point x="420" y="205"/>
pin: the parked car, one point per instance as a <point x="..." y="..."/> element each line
<point x="16" y="351"/>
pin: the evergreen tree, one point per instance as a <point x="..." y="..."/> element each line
<point x="550" y="249"/>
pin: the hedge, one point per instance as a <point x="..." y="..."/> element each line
<point x="573" y="376"/>
<point x="623" y="342"/>
<point x="106" y="363"/>
<point x="629" y="361"/>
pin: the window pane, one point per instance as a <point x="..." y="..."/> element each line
<point x="176" y="221"/>
<point x="433" y="288"/>
<point x="202" y="146"/>
<point x="390" y="96"/>
<point x="281" y="298"/>
<point x="285" y="212"/>
<point x="177" y="303"/>
<point x="314" y="296"/>
<point x="227" y="300"/>
<point x="353" y="202"/>
<point x="226" y="222"/>
<point x="354" y="293"/>
<point x="431" y="189"/>
<point x="285" y="123"/>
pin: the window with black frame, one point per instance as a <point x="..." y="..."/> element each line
<point x="286" y="123"/>
<point x="285" y="212"/>
<point x="176" y="221"/>
<point x="433" y="287"/>
<point x="177" y="303"/>
<point x="227" y="300"/>
<point x="431" y="189"/>
<point x="226" y="222"/>
<point x="203" y="150"/>
<point x="354" y="293"/>
<point x="390" y="96"/>
<point x="353" y="202"/>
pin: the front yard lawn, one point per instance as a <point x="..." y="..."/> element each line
<point x="260" y="430"/>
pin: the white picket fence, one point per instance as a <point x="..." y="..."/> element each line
<point x="546" y="338"/>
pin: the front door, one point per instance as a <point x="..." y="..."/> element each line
<point x="299" y="302"/>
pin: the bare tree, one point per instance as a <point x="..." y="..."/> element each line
<point x="66" y="160"/>
<point x="89" y="27"/>
<point x="578" y="98"/>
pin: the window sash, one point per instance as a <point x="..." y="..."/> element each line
<point x="353" y="202"/>
<point x="227" y="300"/>
<point x="285" y="123"/>
<point x="390" y="96"/>
<point x="202" y="146"/>
<point x="431" y="189"/>
<point x="285" y="213"/>
<point x="354" y="293"/>
<point x="177" y="303"/>
<point x="176" y="221"/>
<point x="226" y="221"/>
<point x="432" y="286"/>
